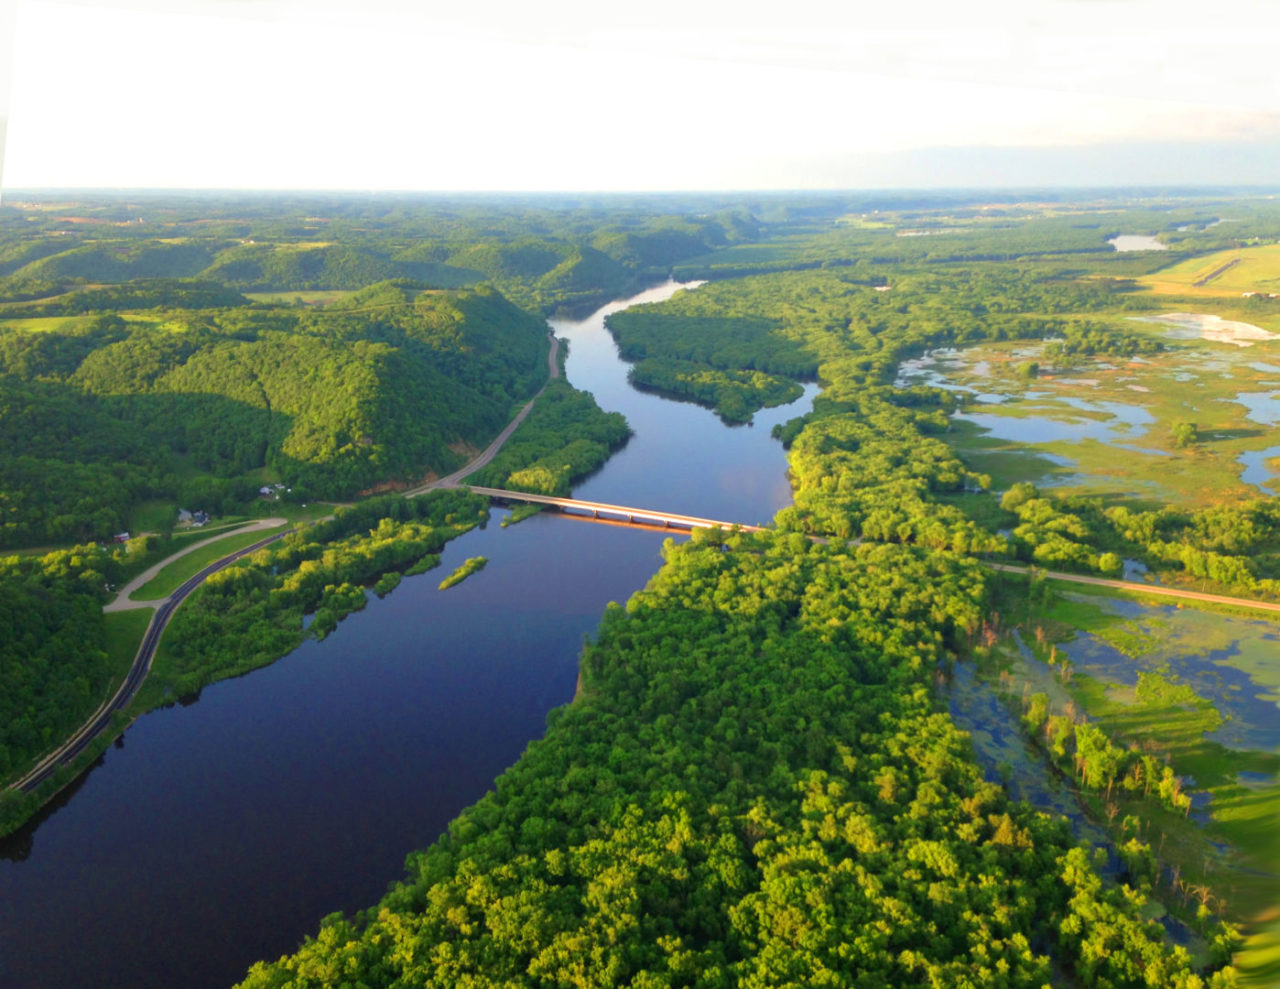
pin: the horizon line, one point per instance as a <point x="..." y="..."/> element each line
<point x="769" y="190"/>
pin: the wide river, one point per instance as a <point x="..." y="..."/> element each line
<point x="220" y="832"/>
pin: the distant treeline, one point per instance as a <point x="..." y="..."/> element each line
<point x="541" y="260"/>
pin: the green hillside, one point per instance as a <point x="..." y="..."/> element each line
<point x="107" y="413"/>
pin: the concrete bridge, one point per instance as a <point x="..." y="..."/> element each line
<point x="602" y="510"/>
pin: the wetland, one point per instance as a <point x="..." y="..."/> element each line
<point x="1063" y="427"/>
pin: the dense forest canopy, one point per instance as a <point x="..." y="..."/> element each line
<point x="189" y="402"/>
<point x="758" y="784"/>
<point x="754" y="788"/>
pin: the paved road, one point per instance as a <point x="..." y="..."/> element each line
<point x="78" y="742"/>
<point x="166" y="606"/>
<point x="598" y="508"/>
<point x="491" y="451"/>
<point x="122" y="602"/>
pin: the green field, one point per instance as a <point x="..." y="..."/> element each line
<point x="1249" y="269"/>
<point x="1223" y="852"/>
<point x="45" y="324"/>
<point x="124" y="634"/>
<point x="310" y="297"/>
<point x="171" y="577"/>
<point x="1087" y="647"/>
<point x="152" y="515"/>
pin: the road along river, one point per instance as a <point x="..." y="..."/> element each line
<point x="220" y="832"/>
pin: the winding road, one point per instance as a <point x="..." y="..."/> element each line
<point x="165" y="607"/>
<point x="491" y="451"/>
<point x="122" y="600"/>
<point x="78" y="742"/>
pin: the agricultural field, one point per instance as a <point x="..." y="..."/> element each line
<point x="44" y="324"/>
<point x="1108" y="425"/>
<point x="1233" y="272"/>
<point x="308" y="297"/>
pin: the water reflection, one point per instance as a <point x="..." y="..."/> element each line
<point x="224" y="830"/>
<point x="682" y="458"/>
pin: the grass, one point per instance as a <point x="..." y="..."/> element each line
<point x="124" y="634"/>
<point x="1259" y="962"/>
<point x="45" y="324"/>
<point x="152" y="515"/>
<point x="1248" y="269"/>
<point x="312" y="511"/>
<point x="172" y="577"/>
<point x="1005" y="461"/>
<point x="310" y="297"/>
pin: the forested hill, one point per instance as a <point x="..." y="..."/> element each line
<point x="540" y="258"/>
<point x="101" y="411"/>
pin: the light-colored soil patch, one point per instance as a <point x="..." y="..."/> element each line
<point x="1215" y="328"/>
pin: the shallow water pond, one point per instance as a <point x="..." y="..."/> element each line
<point x="1233" y="663"/>
<point x="1136" y="242"/>
<point x="1007" y="758"/>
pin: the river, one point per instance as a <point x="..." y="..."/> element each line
<point x="220" y="832"/>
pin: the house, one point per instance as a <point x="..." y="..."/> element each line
<point x="120" y="537"/>
<point x="184" y="516"/>
<point x="199" y="518"/>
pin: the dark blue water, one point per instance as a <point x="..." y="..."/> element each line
<point x="223" y="831"/>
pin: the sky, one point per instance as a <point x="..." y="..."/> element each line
<point x="666" y="95"/>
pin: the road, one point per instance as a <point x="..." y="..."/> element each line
<point x="78" y="742"/>
<point x="491" y="451"/>
<point x="165" y="607"/>
<point x="1126" y="585"/>
<point x="122" y="602"/>
<point x="1217" y="272"/>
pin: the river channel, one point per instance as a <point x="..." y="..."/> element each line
<point x="220" y="832"/>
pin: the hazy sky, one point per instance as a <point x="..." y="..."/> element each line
<point x="696" y="94"/>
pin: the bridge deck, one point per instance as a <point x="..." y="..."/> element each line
<point x="602" y="508"/>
